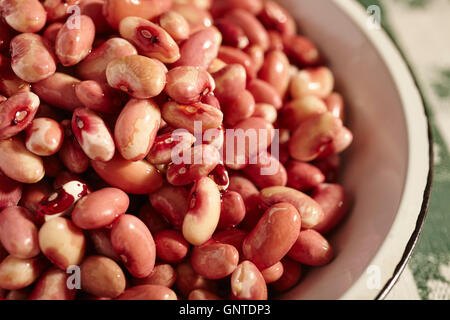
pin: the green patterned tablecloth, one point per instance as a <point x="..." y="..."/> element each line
<point x="421" y="30"/>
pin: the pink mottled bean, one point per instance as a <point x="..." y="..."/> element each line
<point x="44" y="136"/>
<point x="16" y="273"/>
<point x="335" y="105"/>
<point x="247" y="283"/>
<point x="214" y="260"/>
<point x="32" y="58"/>
<point x="232" y="211"/>
<point x="273" y="273"/>
<point x="341" y="142"/>
<point x="303" y="176"/>
<point x="265" y="111"/>
<point x="24" y="15"/>
<point x="136" y="128"/>
<point x="171" y="246"/>
<point x="52" y="285"/>
<point x="148" y="292"/>
<point x="58" y="90"/>
<point x="265" y="93"/>
<point x="18" y="233"/>
<point x="311" y="248"/>
<point x="100" y="97"/>
<point x="175" y="25"/>
<point x="132" y="240"/>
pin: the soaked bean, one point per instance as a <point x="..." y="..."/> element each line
<point x="276" y="71"/>
<point x="299" y="110"/>
<point x="303" y="176"/>
<point x="318" y="82"/>
<point x="292" y="272"/>
<point x="196" y="18"/>
<point x="232" y="34"/>
<point x="302" y="50"/>
<point x="267" y="171"/>
<point x="232" y="210"/>
<point x="265" y="93"/>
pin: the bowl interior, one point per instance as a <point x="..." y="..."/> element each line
<point x="375" y="167"/>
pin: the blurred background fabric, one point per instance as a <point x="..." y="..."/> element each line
<point x="421" y="28"/>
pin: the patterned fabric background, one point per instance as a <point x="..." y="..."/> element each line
<point x="420" y="28"/>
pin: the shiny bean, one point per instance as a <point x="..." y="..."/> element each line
<point x="139" y="76"/>
<point x="18" y="233"/>
<point x="102" y="277"/>
<point x="100" y="208"/>
<point x="52" y="285"/>
<point x="116" y="10"/>
<point x="10" y="192"/>
<point x="187" y="85"/>
<point x="265" y="93"/>
<point x="24" y="15"/>
<point x="274" y="16"/>
<point x="100" y="97"/>
<point x="299" y="110"/>
<point x="318" y="82"/>
<point x="232" y="34"/>
<point x="175" y="25"/>
<point x="231" y="55"/>
<point x="230" y="82"/>
<point x="273" y="273"/>
<point x="17" y="113"/>
<point x="214" y="260"/>
<point x="33" y="194"/>
<point x="302" y="50"/>
<point x="188" y="280"/>
<point x="44" y="137"/>
<point x="92" y="135"/>
<point x="148" y="292"/>
<point x="162" y="274"/>
<point x="134" y="243"/>
<point x="276" y="71"/>
<point x="201" y="4"/>
<point x="62" y="242"/>
<point x="32" y="58"/>
<point x="340" y="143"/>
<point x="312" y="249"/>
<point x="267" y="171"/>
<point x="202" y="294"/>
<point x="247" y="283"/>
<point x="151" y="40"/>
<point x="93" y="67"/>
<point x="171" y="246"/>
<point x="16" y="273"/>
<point x="256" y="53"/>
<point x="232" y="210"/>
<point x="172" y="203"/>
<point x="10" y="83"/>
<point x="335" y="105"/>
<point x="18" y="163"/>
<point x="250" y="195"/>
<point x="136" y="128"/>
<point x="196" y="18"/>
<point x="169" y="144"/>
<point x="310" y="211"/>
<point x="135" y="177"/>
<point x="292" y="272"/>
<point x="203" y="215"/>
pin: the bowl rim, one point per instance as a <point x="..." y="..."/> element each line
<point x="398" y="66"/>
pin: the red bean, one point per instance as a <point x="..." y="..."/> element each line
<point x="273" y="273"/>
<point x="52" y="285"/>
<point x="100" y="97"/>
<point x="171" y="246"/>
<point x="292" y="272"/>
<point x="311" y="248"/>
<point x="232" y="210"/>
<point x="214" y="260"/>
<point x="334" y="202"/>
<point x="172" y="203"/>
<point x="303" y="176"/>
<point x="188" y="280"/>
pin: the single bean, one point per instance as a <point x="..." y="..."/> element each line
<point x="100" y="208"/>
<point x="312" y="249"/>
<point x="335" y="105"/>
<point x="16" y="273"/>
<point x="102" y="277"/>
<point x="318" y="82"/>
<point x="101" y="239"/>
<point x="18" y="163"/>
<point x="136" y="128"/>
<point x="44" y="137"/>
<point x="167" y="145"/>
<point x="185" y="116"/>
<point x="273" y="236"/>
<point x="32" y="58"/>
<point x="94" y="10"/>
<point x="116" y="10"/>
<point x="135" y="177"/>
<point x="58" y="90"/>
<point x="267" y="171"/>
<point x="57" y="9"/>
<point x="139" y="76"/>
<point x="234" y="237"/>
<point x="200" y="49"/>
<point x="171" y="246"/>
<point x="72" y="156"/>
<point x="310" y="211"/>
<point x="214" y="260"/>
<point x="203" y="215"/>
<point x="151" y="40"/>
<point x="73" y="44"/>
<point x="24" y="15"/>
<point x="273" y="273"/>
<point x="52" y="285"/>
<point x="134" y="243"/>
<point x="251" y="26"/>
<point x="302" y="50"/>
<point x="172" y="203"/>
<point x="303" y="176"/>
<point x="100" y="97"/>
<point x="62" y="242"/>
<point x="232" y="210"/>
<point x="162" y="274"/>
<point x="256" y="53"/>
<point x="230" y="82"/>
<point x="299" y="110"/>
<point x="231" y="55"/>
<point x="335" y="204"/>
<point x="202" y="294"/>
<point x="148" y="292"/>
<point x="188" y="280"/>
<point x="314" y="136"/>
<point x="274" y="16"/>
<point x="175" y="25"/>
<point x="265" y="93"/>
<point x="276" y="71"/>
<point x="17" y="113"/>
<point x="10" y="83"/>
<point x="196" y="18"/>
<point x="292" y="272"/>
<point x="247" y="283"/>
<point x="265" y="111"/>
<point x="192" y="165"/>
<point x="33" y="194"/>
<point x="220" y="176"/>
<point x="188" y="85"/>
<point x="232" y="34"/>
<point x="10" y="192"/>
<point x="341" y="142"/>
<point x="18" y="233"/>
<point x="93" y="67"/>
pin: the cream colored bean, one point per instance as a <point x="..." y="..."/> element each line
<point x="44" y="136"/>
<point x="16" y="273"/>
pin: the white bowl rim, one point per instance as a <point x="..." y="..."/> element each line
<point x="407" y="227"/>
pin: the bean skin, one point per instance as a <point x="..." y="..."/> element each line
<point x="134" y="243"/>
<point x="175" y="25"/>
<point x="214" y="260"/>
<point x="24" y="15"/>
<point x="52" y="285"/>
<point x="171" y="246"/>
<point x="44" y="137"/>
<point x="276" y="71"/>
<point x="311" y="248"/>
<point x="247" y="283"/>
<point x="148" y="292"/>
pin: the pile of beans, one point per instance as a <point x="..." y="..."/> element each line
<point x="93" y="96"/>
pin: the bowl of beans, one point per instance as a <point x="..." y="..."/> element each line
<point x="205" y="150"/>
